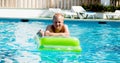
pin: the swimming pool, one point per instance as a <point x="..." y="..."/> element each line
<point x="100" y="42"/>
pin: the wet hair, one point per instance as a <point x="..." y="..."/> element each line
<point x="57" y="14"/>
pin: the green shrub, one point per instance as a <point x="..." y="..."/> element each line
<point x="110" y="8"/>
<point x="118" y="8"/>
<point x="100" y="8"/>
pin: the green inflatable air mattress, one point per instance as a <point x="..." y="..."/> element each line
<point x="60" y="44"/>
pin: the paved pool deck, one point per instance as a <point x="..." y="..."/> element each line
<point x="39" y="14"/>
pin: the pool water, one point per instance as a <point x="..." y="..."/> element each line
<point x="100" y="42"/>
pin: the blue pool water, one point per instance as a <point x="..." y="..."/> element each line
<point x="100" y="42"/>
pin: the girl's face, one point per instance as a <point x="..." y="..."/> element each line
<point x="58" y="22"/>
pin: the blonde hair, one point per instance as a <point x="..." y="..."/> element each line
<point x="58" y="14"/>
